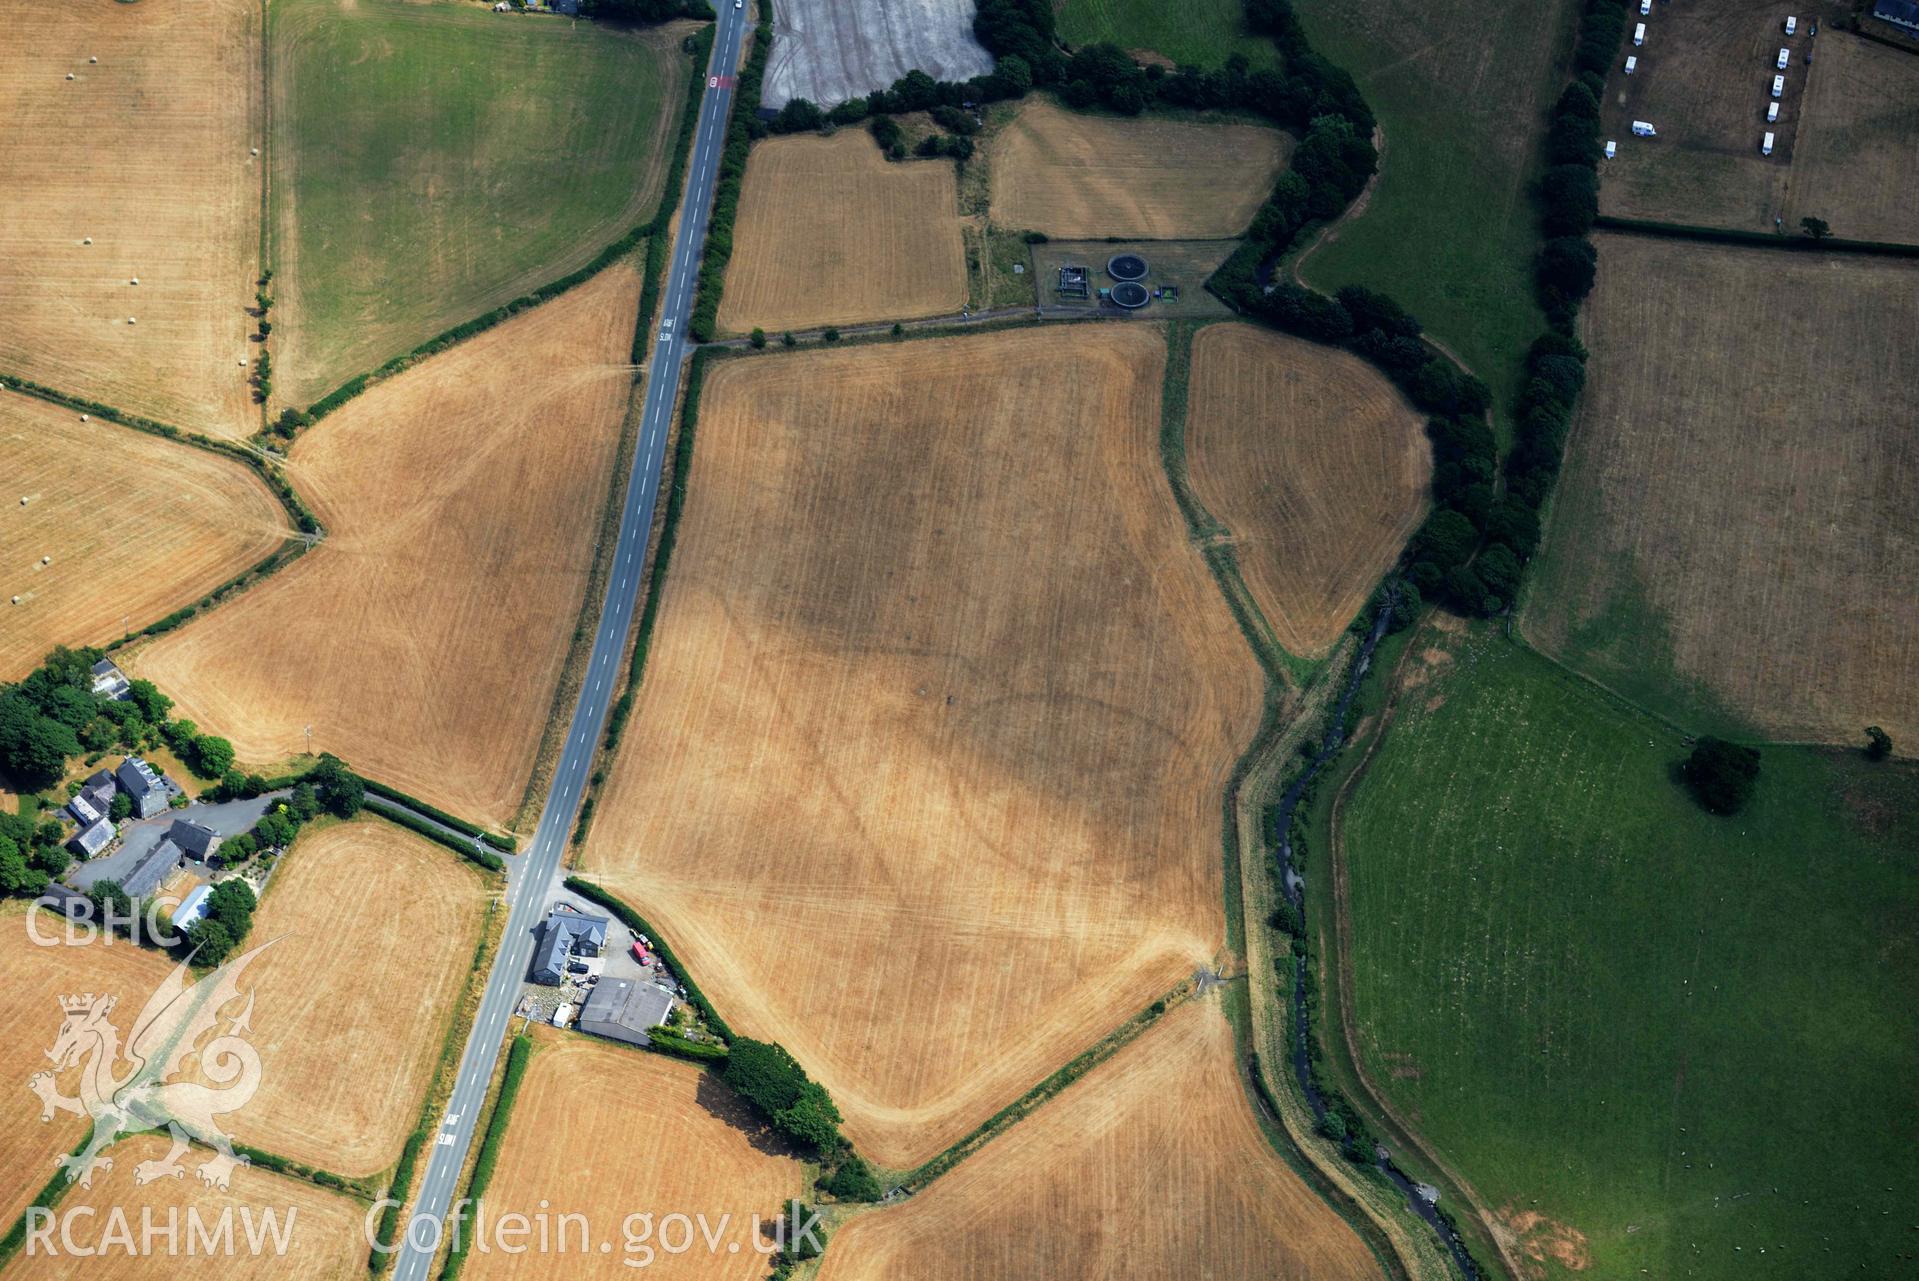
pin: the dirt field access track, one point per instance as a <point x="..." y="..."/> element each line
<point x="1151" y="1166"/>
<point x="886" y="246"/>
<point x="423" y="639"/>
<point x="137" y="527"/>
<point x="1736" y="525"/>
<point x="1318" y="466"/>
<point x="1072" y="175"/>
<point x="147" y="153"/>
<point x="376" y="930"/>
<point x="606" y="1131"/>
<point x="925" y="785"/>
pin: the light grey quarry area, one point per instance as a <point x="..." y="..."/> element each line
<point x="827" y="51"/>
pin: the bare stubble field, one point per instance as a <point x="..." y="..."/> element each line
<point x="372" y="933"/>
<point x="147" y="153"/>
<point x="608" y="1132"/>
<point x="423" y="638"/>
<point x="1736" y="529"/>
<point x="923" y="778"/>
<point x="39" y="970"/>
<point x="136" y="526"/>
<point x="830" y="232"/>
<point x="1072" y="175"/>
<point x="1857" y="163"/>
<point x="282" y="1228"/>
<point x="1151" y="1166"/>
<point x="1317" y="465"/>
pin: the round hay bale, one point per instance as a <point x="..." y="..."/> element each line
<point x="69" y="75"/>
<point x="83" y="417"/>
<point x="93" y="60"/>
<point x="131" y="320"/>
<point x="16" y="600"/>
<point x="254" y="152"/>
<point x="86" y="240"/>
<point x="46" y="560"/>
<point x="134" y="281"/>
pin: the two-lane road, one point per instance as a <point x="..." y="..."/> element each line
<point x="535" y="868"/>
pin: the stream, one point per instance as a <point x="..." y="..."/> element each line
<point x="1422" y="1200"/>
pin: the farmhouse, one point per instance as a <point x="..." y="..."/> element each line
<point x="564" y="936"/>
<point x="144" y="786"/>
<point x="108" y="680"/>
<point x="1900" y="13"/>
<point x="624" y="1011"/>
<point x="98" y="791"/>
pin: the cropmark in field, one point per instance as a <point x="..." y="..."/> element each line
<point x="1315" y="463"/>
<point x="925" y="785"/>
<point x="827" y="51"/>
<point x="423" y="638"/>
<point x="491" y="151"/>
<point x="608" y="1133"/>
<point x="132" y="526"/>
<point x="1074" y="175"/>
<point x="1152" y="1165"/>
<point x="374" y="931"/>
<point x="1735" y="542"/>
<point x="128" y="152"/>
<point x="829" y="232"/>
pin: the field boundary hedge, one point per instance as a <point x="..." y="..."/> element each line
<point x="1031" y="1101"/>
<point x="391" y="793"/>
<point x="552" y="289"/>
<point x="638" y="924"/>
<point x="414" y="823"/>
<point x="276" y="482"/>
<point x="489" y="1156"/>
<point x="1755" y="239"/>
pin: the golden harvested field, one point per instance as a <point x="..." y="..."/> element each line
<point x="1736" y="529"/>
<point x="376" y="929"/>
<point x="423" y="638"/>
<point x="1151" y="1166"/>
<point x="607" y="1132"/>
<point x="36" y="978"/>
<point x="146" y="152"/>
<point x="1315" y="462"/>
<point x="137" y="527"/>
<point x="885" y="246"/>
<point x="1857" y="164"/>
<point x="312" y="1234"/>
<point x="1068" y="174"/>
<point x="923" y="778"/>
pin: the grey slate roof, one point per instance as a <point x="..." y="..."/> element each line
<point x="197" y="841"/>
<point x="99" y="789"/>
<point x="90" y="840"/>
<point x="162" y="861"/>
<point x="561" y="936"/>
<point x="624" y="1011"/>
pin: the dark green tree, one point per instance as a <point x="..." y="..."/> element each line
<point x="1817" y="228"/>
<point x="1721" y="775"/>
<point x="1878" y="743"/>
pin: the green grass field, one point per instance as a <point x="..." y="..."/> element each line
<point x="1461" y="92"/>
<point x="1202" y="33"/>
<point x="1689" y="1040"/>
<point x="433" y="161"/>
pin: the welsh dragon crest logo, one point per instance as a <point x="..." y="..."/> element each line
<point x="130" y="1088"/>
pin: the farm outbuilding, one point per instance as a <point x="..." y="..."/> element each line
<point x="621" y="1010"/>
